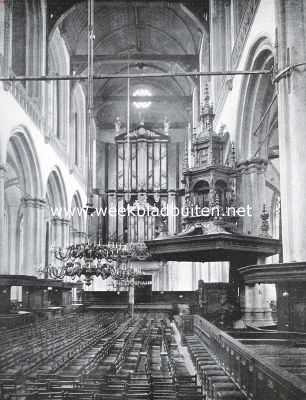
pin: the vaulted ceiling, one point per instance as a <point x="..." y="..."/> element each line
<point x="142" y="37"/>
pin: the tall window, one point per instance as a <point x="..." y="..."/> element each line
<point x="76" y="139"/>
<point x="57" y="108"/>
<point x="19" y="38"/>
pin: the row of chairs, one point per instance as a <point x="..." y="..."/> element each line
<point x="73" y="375"/>
<point x="121" y="375"/>
<point x="53" y="352"/>
<point x="27" y="350"/>
<point x="137" y="359"/>
<point x="216" y="383"/>
<point x="31" y="356"/>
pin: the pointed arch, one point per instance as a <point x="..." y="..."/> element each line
<point x="23" y="191"/>
<point x="56" y="190"/>
<point x="22" y="158"/>
<point x="78" y="127"/>
<point x="256" y="94"/>
<point x="58" y="91"/>
<point x="77" y="220"/>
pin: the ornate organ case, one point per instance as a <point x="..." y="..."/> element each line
<point x="142" y="179"/>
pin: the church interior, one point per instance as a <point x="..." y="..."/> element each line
<point x="152" y="190"/>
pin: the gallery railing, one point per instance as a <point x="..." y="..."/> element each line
<point x="257" y="378"/>
<point x="29" y="104"/>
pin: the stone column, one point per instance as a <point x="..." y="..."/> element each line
<point x="269" y="293"/>
<point x="256" y="306"/>
<point x="112" y="218"/>
<point x="3" y="238"/>
<point x="14" y="267"/>
<point x="161" y="276"/>
<point x="291" y="16"/>
<point x="195" y="275"/>
<point x="195" y="108"/>
<point x="155" y="280"/>
<point x="228" y="34"/>
<point x="33" y="225"/>
<point x="6" y="8"/>
<point x="40" y="205"/>
<point x="2" y="14"/>
<point x="55" y="238"/>
<point x="74" y="295"/>
<point x="164" y="276"/>
<point x="64" y="229"/>
<point x="252" y="181"/>
<point x="172" y="212"/>
<point x="248" y="303"/>
<point x="79" y="237"/>
<point x="258" y="311"/>
<point x="43" y="63"/>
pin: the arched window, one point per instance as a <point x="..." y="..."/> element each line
<point x="54" y="99"/>
<point x="28" y="42"/>
<point x="19" y="45"/>
<point x="220" y="188"/>
<point x="201" y="194"/>
<point x="76" y="139"/>
<point x="77" y="127"/>
<point x="54" y="108"/>
<point x="59" y="91"/>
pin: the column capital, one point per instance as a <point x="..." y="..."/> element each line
<point x="3" y="168"/>
<point x="3" y="172"/>
<point x="30" y="202"/>
<point x="252" y="165"/>
<point x="99" y="192"/>
<point x="60" y="221"/>
<point x="65" y="221"/>
<point x="111" y="193"/>
<point x="79" y="234"/>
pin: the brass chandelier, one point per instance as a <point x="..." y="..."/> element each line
<point x="100" y="260"/>
<point x="96" y="259"/>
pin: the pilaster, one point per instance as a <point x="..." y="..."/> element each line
<point x="252" y="192"/>
<point x="33" y="234"/>
<point x="291" y="16"/>
<point x="3" y="238"/>
<point x="171" y="212"/>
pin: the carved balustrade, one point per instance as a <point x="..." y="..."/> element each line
<point x="257" y="378"/>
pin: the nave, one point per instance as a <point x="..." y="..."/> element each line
<point x="108" y="356"/>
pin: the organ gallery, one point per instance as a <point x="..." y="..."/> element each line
<point x="152" y="200"/>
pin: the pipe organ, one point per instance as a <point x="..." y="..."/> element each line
<point x="142" y="184"/>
